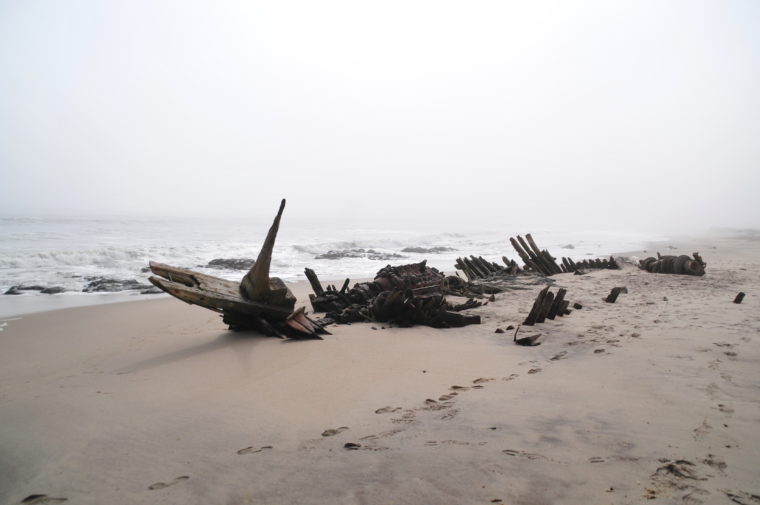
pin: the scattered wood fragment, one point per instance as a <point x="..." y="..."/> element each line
<point x="613" y="296"/>
<point x="257" y="302"/>
<point x="530" y="340"/>
<point x="680" y="265"/>
<point x="739" y="297"/>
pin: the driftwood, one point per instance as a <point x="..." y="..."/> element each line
<point x="258" y="302"/>
<point x="404" y="295"/>
<point x="682" y="265"/>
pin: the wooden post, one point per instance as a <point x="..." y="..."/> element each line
<point x="533" y="315"/>
<point x="316" y="286"/>
<point x="557" y="305"/>
<point x="546" y="305"/>
<point x="614" y="294"/>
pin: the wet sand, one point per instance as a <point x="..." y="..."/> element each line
<point x="654" y="397"/>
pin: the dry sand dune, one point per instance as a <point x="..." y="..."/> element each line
<point x="655" y="397"/>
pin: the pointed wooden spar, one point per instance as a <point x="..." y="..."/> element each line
<point x="255" y="284"/>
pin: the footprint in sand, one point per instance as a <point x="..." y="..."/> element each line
<point x="533" y="370"/>
<point x="450" y="414"/>
<point x="478" y="386"/>
<point x="702" y="430"/>
<point x="386" y="410"/>
<point x="37" y="499"/>
<point x="511" y="377"/>
<point x="431" y="404"/>
<point x="597" y="459"/>
<point x="333" y="431"/>
<point x="742" y="497"/>
<point x="162" y="485"/>
<point x="723" y="344"/>
<point x="251" y="450"/>
<point x="731" y="355"/>
<point x="482" y="380"/>
<point x="433" y="443"/>
<point x="715" y="461"/>
<point x="458" y="388"/>
<point x="522" y="454"/>
<point x="558" y="356"/>
<point x="725" y="409"/>
<point x="406" y="418"/>
<point x="679" y="469"/>
<point x="383" y="434"/>
<point x="444" y="398"/>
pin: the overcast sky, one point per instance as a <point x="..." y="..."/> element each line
<point x="539" y="112"/>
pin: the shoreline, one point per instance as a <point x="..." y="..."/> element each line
<point x="26" y="304"/>
<point x="654" y="396"/>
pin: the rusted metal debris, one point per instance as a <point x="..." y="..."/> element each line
<point x="257" y="302"/>
<point x="548" y="306"/>
<point x="404" y="295"/>
<point x="682" y="264"/>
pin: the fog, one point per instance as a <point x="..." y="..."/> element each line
<point x="608" y="114"/>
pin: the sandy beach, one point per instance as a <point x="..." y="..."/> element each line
<point x="655" y="398"/>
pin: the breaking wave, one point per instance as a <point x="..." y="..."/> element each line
<point x="66" y="253"/>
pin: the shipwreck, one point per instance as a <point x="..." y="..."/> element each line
<point x="258" y="302"/>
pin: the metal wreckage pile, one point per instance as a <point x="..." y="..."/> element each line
<point x="403" y="295"/>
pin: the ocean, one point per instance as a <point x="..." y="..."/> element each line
<point x="78" y="255"/>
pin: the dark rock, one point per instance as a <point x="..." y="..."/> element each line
<point x="499" y="330"/>
<point x="427" y="250"/>
<point x="106" y="285"/>
<point x="577" y="306"/>
<point x="54" y="290"/>
<point x="16" y="290"/>
<point x="359" y="253"/>
<point x="510" y="327"/>
<point x="145" y="270"/>
<point x="232" y="263"/>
